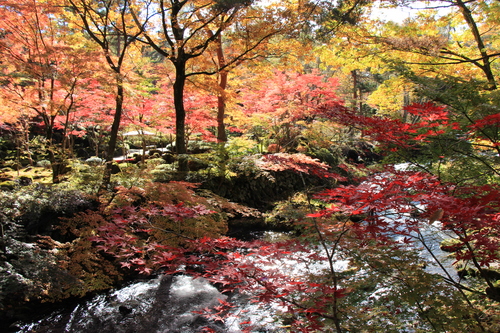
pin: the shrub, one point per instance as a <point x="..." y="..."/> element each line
<point x="94" y="161"/>
<point x="85" y="177"/>
<point x="44" y="164"/>
<point x="287" y="213"/>
<point x="327" y="156"/>
<point x="153" y="162"/>
<point x="130" y="175"/>
<point x="163" y="173"/>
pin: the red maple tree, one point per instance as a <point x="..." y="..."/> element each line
<point x="378" y="226"/>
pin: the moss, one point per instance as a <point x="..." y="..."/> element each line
<point x="163" y="173"/>
<point x="450" y="245"/>
<point x="7" y="185"/>
<point x="41" y="174"/>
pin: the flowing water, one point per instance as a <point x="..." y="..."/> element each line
<point x="163" y="304"/>
<point x="168" y="304"/>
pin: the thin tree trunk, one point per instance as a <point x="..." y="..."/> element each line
<point x="113" y="138"/>
<point x="180" y="114"/>
<point x="486" y="67"/>
<point x="355" y="96"/>
<point x="221" y="99"/>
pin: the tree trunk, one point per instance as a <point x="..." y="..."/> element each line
<point x="113" y="136"/>
<point x="180" y="113"/>
<point x="486" y="59"/>
<point x="221" y="108"/>
<point x="221" y="99"/>
<point x="354" y="75"/>
<point x="59" y="165"/>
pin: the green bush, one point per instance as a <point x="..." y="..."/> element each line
<point x="43" y="164"/>
<point x="94" y="161"/>
<point x="163" y="172"/>
<point x="87" y="177"/>
<point x="153" y="162"/>
<point x="326" y="155"/>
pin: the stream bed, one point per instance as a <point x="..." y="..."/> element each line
<point x="162" y="304"/>
<point x="168" y="304"/>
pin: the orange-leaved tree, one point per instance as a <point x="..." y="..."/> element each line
<point x="109" y="24"/>
<point x="188" y="29"/>
<point x="41" y="73"/>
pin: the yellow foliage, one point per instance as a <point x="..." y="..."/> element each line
<point x="389" y="98"/>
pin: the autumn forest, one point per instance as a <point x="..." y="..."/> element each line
<point x="171" y="138"/>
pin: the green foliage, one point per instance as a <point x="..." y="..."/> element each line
<point x="229" y="156"/>
<point x="5" y="145"/>
<point x="393" y="286"/>
<point x="467" y="170"/>
<point x="450" y="245"/>
<point x="289" y="213"/>
<point x="241" y="146"/>
<point x="130" y="175"/>
<point x="87" y="176"/>
<point x="38" y="148"/>
<point x="44" y="164"/>
<point x="325" y="134"/>
<point x="286" y="136"/>
<point x="325" y="155"/>
<point x="154" y="162"/>
<point x="224" y="160"/>
<point x="467" y="152"/>
<point x="163" y="172"/>
<point x="387" y="287"/>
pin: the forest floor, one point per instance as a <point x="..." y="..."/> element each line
<point x="31" y="173"/>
